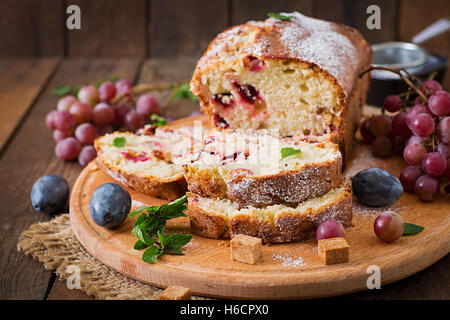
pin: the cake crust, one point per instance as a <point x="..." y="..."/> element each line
<point x="287" y="227"/>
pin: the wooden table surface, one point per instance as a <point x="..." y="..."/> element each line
<point x="27" y="152"/>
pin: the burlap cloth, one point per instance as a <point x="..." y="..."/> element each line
<point x="54" y="244"/>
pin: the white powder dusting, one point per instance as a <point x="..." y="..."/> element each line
<point x="289" y="261"/>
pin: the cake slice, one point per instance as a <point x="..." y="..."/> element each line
<point x="144" y="162"/>
<point x="217" y="218"/>
<point x="258" y="169"/>
<point x="295" y="76"/>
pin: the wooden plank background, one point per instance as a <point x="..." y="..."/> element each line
<point x="152" y="28"/>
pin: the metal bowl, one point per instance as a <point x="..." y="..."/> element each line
<point x="398" y="55"/>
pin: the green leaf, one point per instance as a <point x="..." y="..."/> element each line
<point x="158" y="120"/>
<point x="140" y="219"/>
<point x="183" y="92"/>
<point x="174" y="241"/>
<point x="411" y="229"/>
<point x="119" y="142"/>
<point x="287" y="152"/>
<point x="279" y="16"/>
<point x="139" y="245"/>
<point x="151" y="254"/>
<point x="174" y="251"/>
<point x="142" y="235"/>
<point x="136" y="212"/>
<point x="174" y="209"/>
<point x="61" y="90"/>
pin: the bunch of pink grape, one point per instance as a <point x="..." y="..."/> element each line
<point x="78" y="121"/>
<point x="420" y="134"/>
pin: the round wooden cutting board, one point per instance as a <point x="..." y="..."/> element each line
<point x="285" y="270"/>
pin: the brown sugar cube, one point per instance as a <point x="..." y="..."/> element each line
<point x="333" y="250"/>
<point x="246" y="249"/>
<point x="175" y="293"/>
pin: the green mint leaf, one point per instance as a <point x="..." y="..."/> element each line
<point x="136" y="212"/>
<point x="119" y="142"/>
<point x="287" y="152"/>
<point x="141" y="233"/>
<point x="411" y="229"/>
<point x="174" y="251"/>
<point x="184" y="92"/>
<point x="61" y="90"/>
<point x="139" y="245"/>
<point x="174" y="209"/>
<point x="279" y="16"/>
<point x="174" y="241"/>
<point x="140" y="219"/>
<point x="151" y="254"/>
<point x="158" y="120"/>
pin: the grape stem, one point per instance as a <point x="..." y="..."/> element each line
<point x="401" y="73"/>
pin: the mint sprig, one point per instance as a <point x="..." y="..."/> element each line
<point x="119" y="142"/>
<point x="158" y="120"/>
<point x="288" y="151"/>
<point x="149" y="228"/>
<point x="183" y="91"/>
<point x="411" y="229"/>
<point x="278" y="16"/>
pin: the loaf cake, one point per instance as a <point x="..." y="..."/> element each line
<point x="257" y="169"/>
<point x="295" y="76"/>
<point x="223" y="218"/>
<point x="144" y="162"/>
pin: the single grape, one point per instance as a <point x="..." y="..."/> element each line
<point x="68" y="149"/>
<point x="50" y="119"/>
<point x="380" y="125"/>
<point x="89" y="95"/>
<point x="86" y="133"/>
<point x="107" y="91"/>
<point x="134" y="121"/>
<point x="422" y="125"/>
<point x="444" y="149"/>
<point x="434" y="164"/>
<point x="147" y="105"/>
<point x="414" y="153"/>
<point x="87" y="154"/>
<point x="123" y="86"/>
<point x="427" y="188"/>
<point x="412" y="112"/>
<point x="367" y="136"/>
<point x="389" y="226"/>
<point x="119" y="114"/>
<point x="392" y="103"/>
<point x="443" y="130"/>
<point x="439" y="103"/>
<point x="409" y="176"/>
<point x="59" y="135"/>
<point x="103" y="114"/>
<point x="64" y="121"/>
<point x="66" y="102"/>
<point x="104" y="130"/>
<point x="431" y="87"/>
<point x="381" y="147"/>
<point x="330" y="229"/>
<point x="398" y="145"/>
<point x="399" y="125"/>
<point x="447" y="172"/>
<point x="82" y="112"/>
